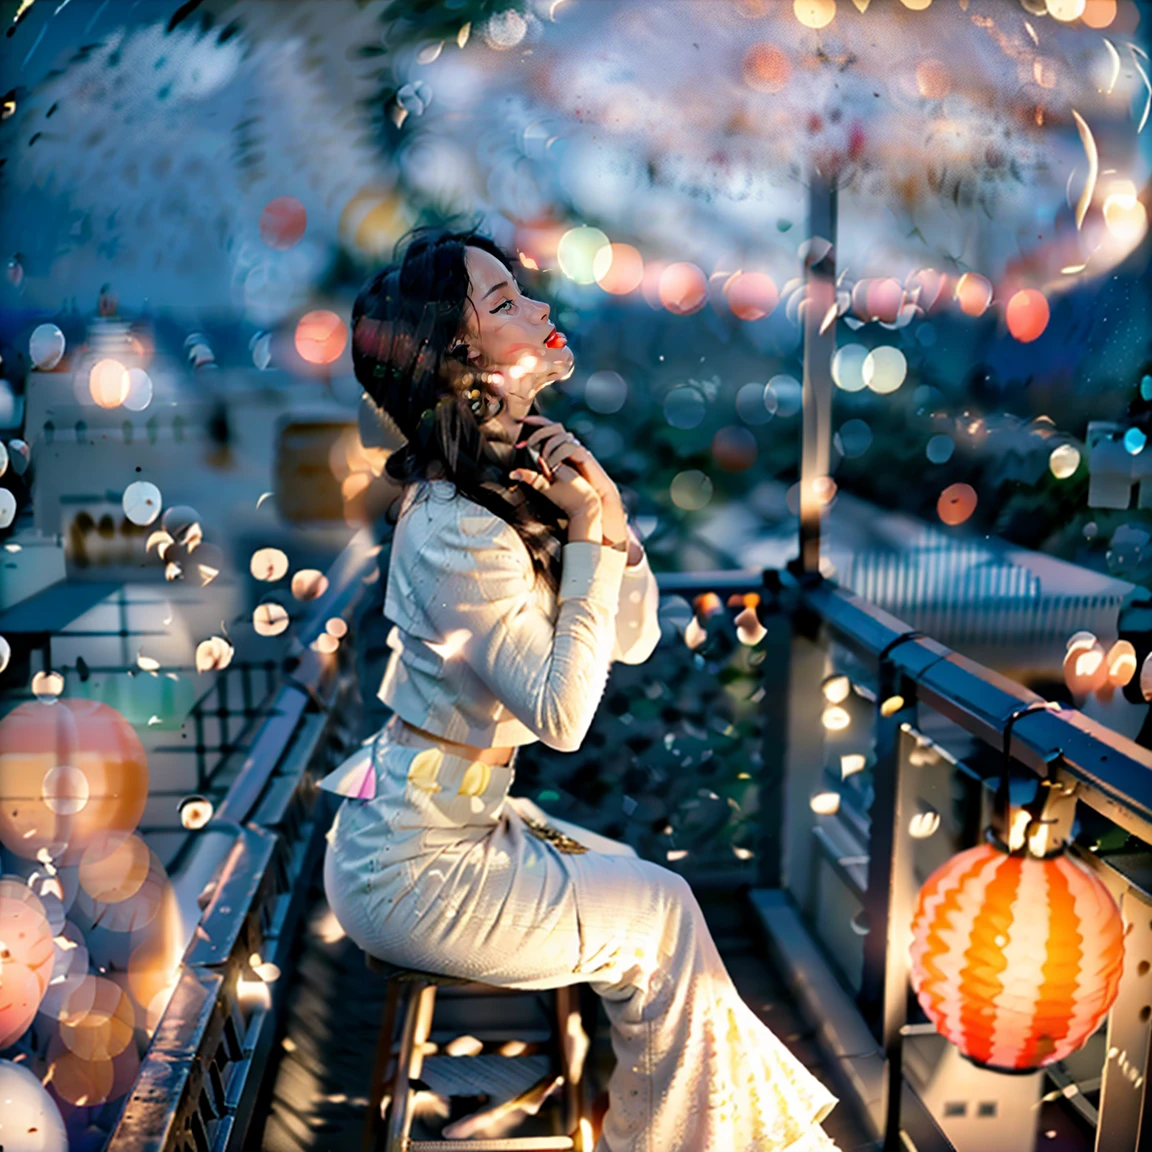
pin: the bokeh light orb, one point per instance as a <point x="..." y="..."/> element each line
<point x="321" y="337"/>
<point x="577" y="251"/>
<point x="855" y="438"/>
<point x="142" y="502"/>
<point x="956" y="504"/>
<point x="65" y="789"/>
<point x="690" y="490"/>
<point x="848" y="367"/>
<point x="884" y="369"/>
<point x="751" y="295"/>
<point x="750" y="406"/>
<point x="7" y="507"/>
<point x="683" y="288"/>
<point x="939" y="448"/>
<point x="734" y="448"/>
<point x="605" y="392"/>
<point x="25" y="931"/>
<point x="29" y="1118"/>
<point x="282" y="222"/>
<point x="20" y="995"/>
<point x="46" y="347"/>
<point x="270" y="618"/>
<point x="5" y="653"/>
<point x="685" y="407"/>
<point x="933" y="80"/>
<point x="1027" y="315"/>
<point x="309" y="584"/>
<point x="268" y="564"/>
<point x="1066" y="9"/>
<point x="884" y="299"/>
<point x="139" y="390"/>
<point x="114" y="866"/>
<point x="1099" y="13"/>
<point x="85" y="735"/>
<point x="618" y="269"/>
<point x="765" y="68"/>
<point x="788" y="394"/>
<point x="97" y="1020"/>
<point x="109" y="383"/>
<point x="974" y="293"/>
<point x="814" y="13"/>
<point x="1064" y="461"/>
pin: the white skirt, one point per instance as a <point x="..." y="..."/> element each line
<point x="432" y="865"/>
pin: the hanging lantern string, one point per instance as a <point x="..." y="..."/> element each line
<point x="1035" y="810"/>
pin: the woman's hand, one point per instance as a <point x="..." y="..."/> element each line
<point x="557" y="444"/>
<point x="569" y="491"/>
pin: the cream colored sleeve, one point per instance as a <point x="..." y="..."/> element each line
<point x="480" y="599"/>
<point x="637" y="621"/>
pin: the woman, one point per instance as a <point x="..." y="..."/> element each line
<point x="513" y="588"/>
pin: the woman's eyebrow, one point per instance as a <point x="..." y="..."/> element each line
<point x="494" y="288"/>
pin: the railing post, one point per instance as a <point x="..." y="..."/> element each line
<point x="1125" y="1122"/>
<point x="891" y="891"/>
<point x="819" y="347"/>
<point x="775" y="686"/>
<point x="804" y="754"/>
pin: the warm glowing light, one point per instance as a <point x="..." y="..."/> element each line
<point x="766" y="68"/>
<point x="923" y="824"/>
<point x="836" y="689"/>
<point x="683" y="288"/>
<point x="1126" y="218"/>
<point x="1099" y="13"/>
<point x="109" y="383"/>
<point x="814" y="13"/>
<point x="1066" y="9"/>
<point x="835" y="719"/>
<point x="989" y="933"/>
<point x="268" y="564"/>
<point x="195" y="812"/>
<point x="956" y="504"/>
<point x="577" y="253"/>
<point x="933" y="81"/>
<point x="751" y="295"/>
<point x="852" y="763"/>
<point x="892" y="705"/>
<point x="1085" y="669"/>
<point x="270" y="618"/>
<point x="1027" y="315"/>
<point x="825" y="803"/>
<point x="1121" y="663"/>
<point x="618" y="269"/>
<point x="974" y="292"/>
<point x="214" y="653"/>
<point x="320" y="337"/>
<point x="309" y="584"/>
<point x="1064" y="461"/>
<point x="884" y="369"/>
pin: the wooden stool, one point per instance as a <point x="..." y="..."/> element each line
<point x="413" y="993"/>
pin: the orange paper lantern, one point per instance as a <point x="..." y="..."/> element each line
<point x="1016" y="959"/>
<point x="68" y="771"/>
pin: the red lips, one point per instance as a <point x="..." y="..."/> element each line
<point x="556" y="340"/>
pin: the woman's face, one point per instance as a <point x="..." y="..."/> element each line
<point x="508" y="331"/>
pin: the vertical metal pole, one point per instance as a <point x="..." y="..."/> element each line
<point x="774" y="683"/>
<point x="890" y="895"/>
<point x="819" y="346"/>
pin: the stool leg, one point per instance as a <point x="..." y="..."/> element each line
<point x="380" y="1067"/>
<point x="417" y="1025"/>
<point x="572" y="1050"/>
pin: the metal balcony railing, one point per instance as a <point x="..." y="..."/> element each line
<point x="815" y="874"/>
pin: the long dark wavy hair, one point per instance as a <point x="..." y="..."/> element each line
<point x="407" y="324"/>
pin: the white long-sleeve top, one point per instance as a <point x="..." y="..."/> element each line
<point x="483" y="652"/>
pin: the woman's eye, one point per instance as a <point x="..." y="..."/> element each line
<point x="506" y="303"/>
